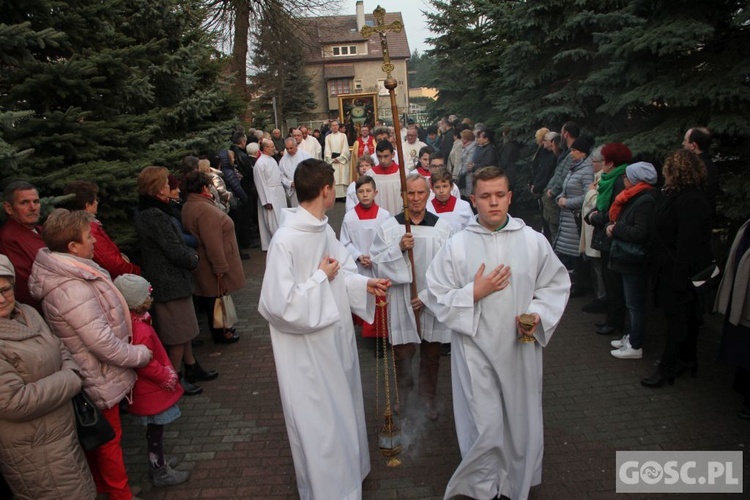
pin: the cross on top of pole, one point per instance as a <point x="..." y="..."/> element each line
<point x="382" y="29"/>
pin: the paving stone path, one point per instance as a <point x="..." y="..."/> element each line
<point x="233" y="439"/>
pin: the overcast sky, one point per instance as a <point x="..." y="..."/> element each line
<point x="411" y="12"/>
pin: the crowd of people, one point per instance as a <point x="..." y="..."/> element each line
<point x="443" y="270"/>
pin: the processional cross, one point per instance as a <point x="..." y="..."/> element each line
<point x="389" y="437"/>
<point x="391" y="83"/>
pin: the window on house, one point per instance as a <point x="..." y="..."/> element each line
<point x="344" y="50"/>
<point x="340" y="86"/>
<point x="357" y="84"/>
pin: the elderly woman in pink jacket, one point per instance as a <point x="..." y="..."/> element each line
<point x="86" y="311"/>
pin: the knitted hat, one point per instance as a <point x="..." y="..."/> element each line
<point x="583" y="144"/>
<point x="134" y="288"/>
<point x="641" y="172"/>
<point x="6" y="267"/>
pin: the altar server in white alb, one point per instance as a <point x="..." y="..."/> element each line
<point x="389" y="254"/>
<point x="337" y="155"/>
<point x="271" y="194"/>
<point x="444" y="204"/>
<point x="310" y="289"/>
<point x="293" y="156"/>
<point x="478" y="284"/>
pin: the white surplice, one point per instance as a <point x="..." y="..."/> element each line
<point x="459" y="218"/>
<point x="267" y="177"/>
<point x="357" y="235"/>
<point x="316" y="357"/>
<point x="312" y="147"/>
<point x="497" y="380"/>
<point x="288" y="165"/>
<point x="351" y="196"/>
<point x="389" y="191"/>
<point x="390" y="262"/>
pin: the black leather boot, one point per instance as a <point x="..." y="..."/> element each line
<point x="194" y="372"/>
<point x="190" y="389"/>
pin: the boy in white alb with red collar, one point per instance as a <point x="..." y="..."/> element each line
<point x="445" y="205"/>
<point x="357" y="232"/>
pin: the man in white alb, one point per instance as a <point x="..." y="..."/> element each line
<point x="479" y="284"/>
<point x="293" y="156"/>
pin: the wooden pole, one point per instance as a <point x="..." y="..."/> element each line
<point x="391" y="83"/>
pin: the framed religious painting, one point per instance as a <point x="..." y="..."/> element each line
<point x="356" y="110"/>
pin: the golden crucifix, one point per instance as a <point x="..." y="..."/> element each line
<point x="391" y="83"/>
<point x="382" y="29"/>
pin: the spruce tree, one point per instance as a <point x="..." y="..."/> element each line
<point x="125" y="84"/>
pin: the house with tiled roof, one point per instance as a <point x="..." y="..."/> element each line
<point x="340" y="61"/>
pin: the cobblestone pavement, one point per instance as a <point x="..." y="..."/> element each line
<point x="233" y="439"/>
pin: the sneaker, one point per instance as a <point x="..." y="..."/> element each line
<point x="171" y="461"/>
<point x="167" y="476"/>
<point x="627" y="352"/>
<point x="624" y="341"/>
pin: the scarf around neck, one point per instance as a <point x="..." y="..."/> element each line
<point x="606" y="185"/>
<point x="624" y="197"/>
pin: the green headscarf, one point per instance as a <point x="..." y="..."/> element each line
<point x="606" y="183"/>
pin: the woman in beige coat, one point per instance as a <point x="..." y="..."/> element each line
<point x="219" y="267"/>
<point x="40" y="456"/>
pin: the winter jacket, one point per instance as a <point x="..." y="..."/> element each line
<point x="232" y="180"/>
<point x="485" y="156"/>
<point x="574" y="188"/>
<point x="682" y="238"/>
<point x="166" y="261"/>
<point x="600" y="220"/>
<point x="84" y="309"/>
<point x="40" y="456"/>
<point x="20" y="244"/>
<point x="634" y="225"/>
<point x="543" y="167"/>
<point x="157" y="387"/>
<point x="218" y="251"/>
<point x="735" y="284"/>
<point x="108" y="255"/>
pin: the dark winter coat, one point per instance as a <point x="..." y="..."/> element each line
<point x="682" y="237"/>
<point x="600" y="220"/>
<point x="635" y="225"/>
<point x="167" y="262"/>
<point x="485" y="156"/>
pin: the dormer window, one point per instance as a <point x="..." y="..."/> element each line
<point x="344" y="50"/>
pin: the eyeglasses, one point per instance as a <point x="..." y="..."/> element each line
<point x="7" y="291"/>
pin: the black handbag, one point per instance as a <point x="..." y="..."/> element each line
<point x="627" y="252"/>
<point x="706" y="278"/>
<point x="93" y="428"/>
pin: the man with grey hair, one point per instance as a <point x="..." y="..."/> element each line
<point x="288" y="164"/>
<point x="271" y="194"/>
<point x="310" y="144"/>
<point x="389" y="255"/>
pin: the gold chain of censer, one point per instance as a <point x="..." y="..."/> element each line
<point x="389" y="437"/>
